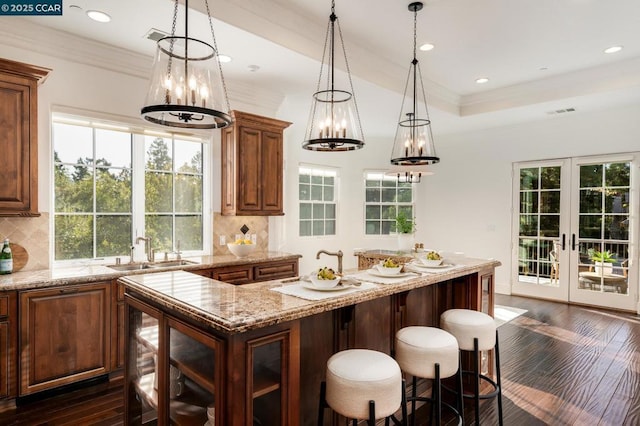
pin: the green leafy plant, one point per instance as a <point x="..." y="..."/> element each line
<point x="601" y="256"/>
<point x="403" y="224"/>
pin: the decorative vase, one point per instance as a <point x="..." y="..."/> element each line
<point x="603" y="268"/>
<point x="405" y="242"/>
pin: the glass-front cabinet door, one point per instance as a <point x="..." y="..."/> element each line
<point x="173" y="375"/>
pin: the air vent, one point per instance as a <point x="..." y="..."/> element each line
<point x="561" y="111"/>
<point x="155" y="35"/>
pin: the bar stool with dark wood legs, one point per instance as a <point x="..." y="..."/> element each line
<point x="430" y="353"/>
<point x="476" y="331"/>
<point x="363" y="384"/>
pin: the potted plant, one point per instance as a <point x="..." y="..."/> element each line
<point x="600" y="258"/>
<point x="405" y="228"/>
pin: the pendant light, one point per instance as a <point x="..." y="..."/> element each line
<point x="187" y="88"/>
<point x="409" y="174"/>
<point x="334" y="122"/>
<point x="413" y="142"/>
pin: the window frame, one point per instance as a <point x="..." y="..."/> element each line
<point x="323" y="170"/>
<point x="384" y="176"/>
<point x="138" y="167"/>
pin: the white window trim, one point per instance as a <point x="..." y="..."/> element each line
<point x="365" y="173"/>
<point x="336" y="189"/>
<point x="110" y="122"/>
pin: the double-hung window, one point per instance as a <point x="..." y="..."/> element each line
<point x="317" y="188"/>
<point x="112" y="184"/>
<point x="385" y="198"/>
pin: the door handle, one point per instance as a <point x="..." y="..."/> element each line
<point x="564" y="238"/>
<point x="573" y="241"/>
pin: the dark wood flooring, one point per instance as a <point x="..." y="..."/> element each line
<point x="561" y="365"/>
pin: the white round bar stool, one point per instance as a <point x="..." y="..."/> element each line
<point x="363" y="384"/>
<point x="475" y="332"/>
<point x="430" y="353"/>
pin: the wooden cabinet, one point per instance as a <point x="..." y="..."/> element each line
<point x="19" y="137"/>
<point x="64" y="335"/>
<point x="252" y="166"/>
<point x="8" y="343"/>
<point x="249" y="273"/>
<point x="117" y="326"/>
<point x="173" y="371"/>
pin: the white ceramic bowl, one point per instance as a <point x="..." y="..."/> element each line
<point x="388" y="271"/>
<point x="317" y="282"/>
<point x="241" y="250"/>
<point x="429" y="262"/>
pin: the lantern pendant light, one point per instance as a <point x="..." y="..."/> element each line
<point x="334" y="121"/>
<point x="409" y="174"/>
<point x="413" y="142"/>
<point x="187" y="87"/>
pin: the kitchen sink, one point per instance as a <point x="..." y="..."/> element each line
<point x="155" y="265"/>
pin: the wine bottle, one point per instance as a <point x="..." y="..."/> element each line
<point x="6" y="258"/>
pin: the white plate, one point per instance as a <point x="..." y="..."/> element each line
<point x="443" y="265"/>
<point x="398" y="275"/>
<point x="310" y="286"/>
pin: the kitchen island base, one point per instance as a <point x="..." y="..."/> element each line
<point x="267" y="372"/>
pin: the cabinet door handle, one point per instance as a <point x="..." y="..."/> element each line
<point x="573" y="241"/>
<point x="69" y="290"/>
<point x="564" y="238"/>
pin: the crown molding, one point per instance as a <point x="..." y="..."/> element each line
<point x="26" y="35"/>
<point x="606" y="78"/>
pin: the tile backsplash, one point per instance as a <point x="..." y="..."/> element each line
<point x="32" y="233"/>
<point x="229" y="226"/>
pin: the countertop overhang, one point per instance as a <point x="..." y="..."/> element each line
<point x="235" y="309"/>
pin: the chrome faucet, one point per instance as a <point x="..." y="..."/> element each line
<point x="338" y="254"/>
<point x="148" y="249"/>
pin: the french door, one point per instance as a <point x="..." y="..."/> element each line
<point x="575" y="230"/>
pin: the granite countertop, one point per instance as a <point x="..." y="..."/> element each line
<point x="25" y="280"/>
<point x="236" y="309"/>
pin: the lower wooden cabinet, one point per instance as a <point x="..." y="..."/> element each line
<point x="8" y="343"/>
<point x="249" y="273"/>
<point x="64" y="335"/>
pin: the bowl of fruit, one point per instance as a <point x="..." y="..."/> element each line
<point x="389" y="267"/>
<point x="324" y="278"/>
<point x="431" y="258"/>
<point x="242" y="247"/>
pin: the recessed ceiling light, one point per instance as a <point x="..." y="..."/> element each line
<point x="613" y="49"/>
<point x="224" y="58"/>
<point x="482" y="80"/>
<point x="426" y="47"/>
<point x="98" y="16"/>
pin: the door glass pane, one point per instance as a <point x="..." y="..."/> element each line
<point x="604" y="227"/>
<point x="539" y="224"/>
<point x="143" y="371"/>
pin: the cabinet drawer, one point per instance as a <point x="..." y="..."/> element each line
<point x="234" y="275"/>
<point x="272" y="271"/>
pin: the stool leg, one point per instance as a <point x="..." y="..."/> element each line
<point x="498" y="380"/>
<point x="404" y="403"/>
<point x="413" y="401"/>
<point x="321" y="405"/>
<point x="372" y="413"/>
<point x="476" y="374"/>
<point x="437" y="395"/>
<point x="460" y="396"/>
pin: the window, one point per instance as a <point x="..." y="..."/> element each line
<point x="112" y="185"/>
<point x="316" y="194"/>
<point x="385" y="197"/>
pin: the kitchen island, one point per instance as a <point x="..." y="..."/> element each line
<point x="257" y="356"/>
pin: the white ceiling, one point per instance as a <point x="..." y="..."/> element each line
<point x="539" y="55"/>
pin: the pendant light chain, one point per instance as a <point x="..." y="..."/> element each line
<point x="172" y="40"/>
<point x="355" y="102"/>
<point x="217" y="52"/>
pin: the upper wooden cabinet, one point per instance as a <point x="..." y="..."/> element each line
<point x="19" y="137"/>
<point x="252" y="162"/>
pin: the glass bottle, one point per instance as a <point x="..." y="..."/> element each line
<point x="6" y="258"/>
